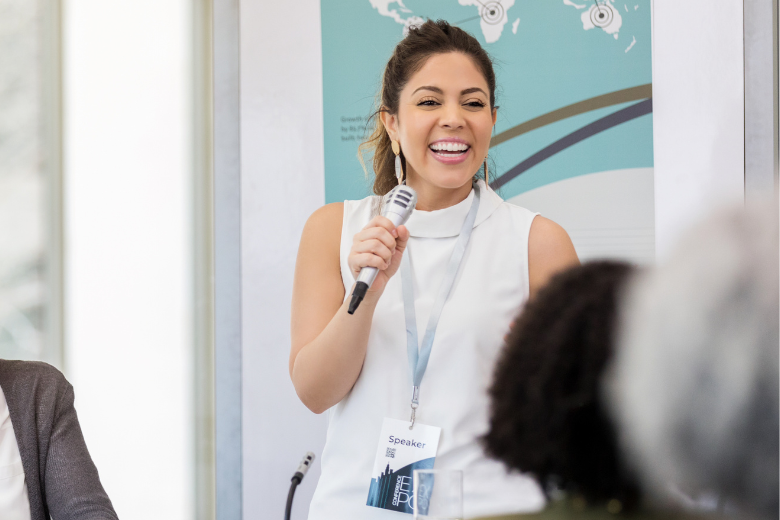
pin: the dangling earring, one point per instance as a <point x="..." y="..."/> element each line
<point x="399" y="170"/>
<point x="487" y="182"/>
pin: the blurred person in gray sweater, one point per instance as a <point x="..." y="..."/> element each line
<point x="695" y="378"/>
<point x="45" y="467"/>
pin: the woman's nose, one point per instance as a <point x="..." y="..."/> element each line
<point x="451" y="117"/>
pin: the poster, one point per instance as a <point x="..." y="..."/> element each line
<point x="574" y="136"/>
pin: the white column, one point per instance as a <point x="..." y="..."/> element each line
<point x="127" y="183"/>
<point x="698" y="112"/>
<point x="282" y="183"/>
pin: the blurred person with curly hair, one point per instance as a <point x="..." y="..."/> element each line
<point x="548" y="413"/>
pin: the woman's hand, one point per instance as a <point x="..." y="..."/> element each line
<point x="328" y="344"/>
<point x="379" y="244"/>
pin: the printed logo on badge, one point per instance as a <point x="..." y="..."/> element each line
<point x="400" y="452"/>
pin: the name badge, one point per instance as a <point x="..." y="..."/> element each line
<point x="400" y="452"/>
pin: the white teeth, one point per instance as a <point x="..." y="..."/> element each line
<point x="449" y="147"/>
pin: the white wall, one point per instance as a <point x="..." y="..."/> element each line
<point x="282" y="184"/>
<point x="127" y="242"/>
<point x="698" y="112"/>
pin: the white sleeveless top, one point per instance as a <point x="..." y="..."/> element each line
<point x="490" y="289"/>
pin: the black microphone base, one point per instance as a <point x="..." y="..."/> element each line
<point x="357" y="296"/>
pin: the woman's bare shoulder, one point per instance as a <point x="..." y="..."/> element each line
<point x="324" y="225"/>
<point x="326" y="218"/>
<point x="547" y="235"/>
<point x="550" y="250"/>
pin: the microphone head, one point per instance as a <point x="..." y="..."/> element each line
<point x="399" y="204"/>
<point x="305" y="464"/>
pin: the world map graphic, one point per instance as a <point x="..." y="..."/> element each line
<point x="494" y="15"/>
<point x="574" y="95"/>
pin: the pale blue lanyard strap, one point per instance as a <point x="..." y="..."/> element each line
<point x="418" y="361"/>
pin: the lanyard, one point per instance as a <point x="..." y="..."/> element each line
<point x="418" y="362"/>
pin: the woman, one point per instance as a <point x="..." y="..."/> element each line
<point x="436" y="118"/>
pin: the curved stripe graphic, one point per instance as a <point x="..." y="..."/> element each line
<point x="605" y="123"/>
<point x="594" y="103"/>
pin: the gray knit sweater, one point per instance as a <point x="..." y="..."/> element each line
<point x="62" y="481"/>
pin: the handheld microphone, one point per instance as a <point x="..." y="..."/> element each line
<point x="303" y="467"/>
<point x="399" y="204"/>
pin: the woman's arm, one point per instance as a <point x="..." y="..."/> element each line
<point x="549" y="251"/>
<point x="329" y="345"/>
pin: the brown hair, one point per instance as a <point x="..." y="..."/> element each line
<point x="409" y="56"/>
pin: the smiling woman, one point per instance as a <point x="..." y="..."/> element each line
<point x="443" y="124"/>
<point x="435" y="120"/>
<point x="455" y="52"/>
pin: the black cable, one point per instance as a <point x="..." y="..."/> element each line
<point x="288" y="510"/>
<point x="303" y="467"/>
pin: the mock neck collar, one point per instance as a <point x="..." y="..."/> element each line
<point x="447" y="222"/>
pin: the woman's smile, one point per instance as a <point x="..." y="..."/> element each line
<point x="450" y="150"/>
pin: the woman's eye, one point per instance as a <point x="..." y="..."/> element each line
<point x="427" y="103"/>
<point x="475" y="104"/>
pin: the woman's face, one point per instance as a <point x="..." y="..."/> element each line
<point x="444" y="121"/>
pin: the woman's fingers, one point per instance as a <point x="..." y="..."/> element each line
<point x="380" y="221"/>
<point x="375" y="233"/>
<point x="402" y="238"/>
<point x="400" y="247"/>
<point x="379" y="245"/>
<point x="361" y="260"/>
<point x="375" y="247"/>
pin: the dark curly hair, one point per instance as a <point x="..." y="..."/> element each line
<point x="547" y="414"/>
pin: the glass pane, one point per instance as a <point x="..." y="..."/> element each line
<point x="23" y="184"/>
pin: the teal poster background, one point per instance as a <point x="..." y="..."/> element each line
<point x="574" y="84"/>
